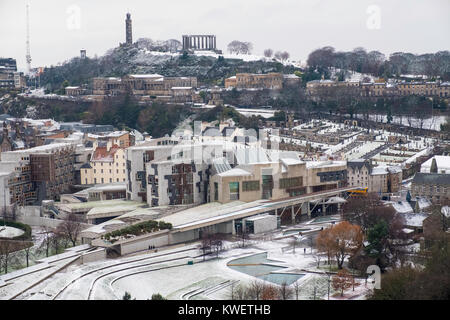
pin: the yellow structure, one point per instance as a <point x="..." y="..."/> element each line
<point x="107" y="165"/>
<point x="255" y="81"/>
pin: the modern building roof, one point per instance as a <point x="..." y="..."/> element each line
<point x="234" y="173"/>
<point x="291" y="162"/>
<point x="221" y="165"/>
<point x="250" y="156"/>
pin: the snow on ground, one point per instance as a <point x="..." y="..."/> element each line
<point x="167" y="272"/>
<point x="10" y="232"/>
<point x="432" y="123"/>
<point x="265" y="113"/>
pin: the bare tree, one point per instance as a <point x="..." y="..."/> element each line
<point x="28" y="252"/>
<point x="240" y="47"/>
<point x="296" y="289"/>
<point x="205" y="245"/>
<point x="317" y="258"/>
<point x="55" y="242"/>
<point x="269" y="292"/>
<point x="241" y="292"/>
<point x="46" y="242"/>
<point x="278" y="55"/>
<point x="342" y="281"/>
<point x="6" y="250"/>
<point x="217" y="243"/>
<point x="70" y="228"/>
<point x="268" y="53"/>
<point x="284" y="55"/>
<point x="232" y="291"/>
<point x="256" y="289"/>
<point x="284" y="291"/>
<point x="293" y="243"/>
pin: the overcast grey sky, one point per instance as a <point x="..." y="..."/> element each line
<point x="59" y="29"/>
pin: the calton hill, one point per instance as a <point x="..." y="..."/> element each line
<point x="146" y="56"/>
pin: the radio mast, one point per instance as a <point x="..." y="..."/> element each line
<point x="28" y="56"/>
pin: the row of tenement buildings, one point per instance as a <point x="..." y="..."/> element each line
<point x="384" y="89"/>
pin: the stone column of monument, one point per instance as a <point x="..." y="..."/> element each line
<point x="128" y="30"/>
<point x="203" y="42"/>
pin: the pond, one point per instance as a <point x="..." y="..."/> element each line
<point x="259" y="266"/>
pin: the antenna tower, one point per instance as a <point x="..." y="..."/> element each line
<point x="28" y="56"/>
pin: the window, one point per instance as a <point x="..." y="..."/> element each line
<point x="234" y="190"/>
<point x="291" y="182"/>
<point x="250" y="185"/>
<point x="216" y="191"/>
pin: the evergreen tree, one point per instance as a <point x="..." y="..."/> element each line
<point x="157" y="296"/>
<point x="126" y="296"/>
<point x="408" y="196"/>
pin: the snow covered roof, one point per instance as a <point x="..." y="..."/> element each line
<point x="402" y="207"/>
<point x="221" y="165"/>
<point x="379" y="170"/>
<point x="336" y="200"/>
<point x="234" y="173"/>
<point x="44" y="148"/>
<point x="291" y="162"/>
<point x="114" y="134"/>
<point x="251" y="156"/>
<point x="291" y="76"/>
<point x="423" y="203"/>
<point x="442" y="162"/>
<point x="446" y="211"/>
<point x="154" y="75"/>
<point x="324" y="164"/>
<point x="414" y="219"/>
